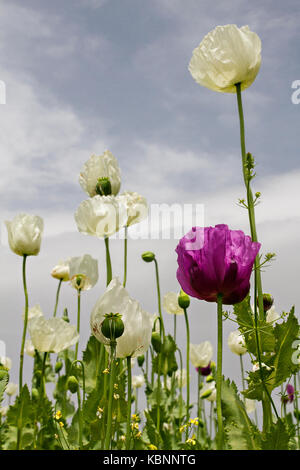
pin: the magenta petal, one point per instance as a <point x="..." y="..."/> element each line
<point x="216" y="260"/>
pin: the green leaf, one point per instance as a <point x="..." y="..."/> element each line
<point x="93" y="360"/>
<point x="240" y="432"/>
<point x="281" y="362"/>
<point x="278" y="437"/>
<point x="3" y="381"/>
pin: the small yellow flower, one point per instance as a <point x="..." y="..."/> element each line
<point x="116" y="396"/>
<point x="58" y="415"/>
<point x="123" y="438"/>
<point x="105" y="371"/>
<point x="116" y="386"/>
<point x="134" y="417"/>
<point x="135" y="426"/>
<point x="191" y="441"/>
<point x="183" y="427"/>
<point x="194" y="421"/>
<point x="152" y="447"/>
<point x="61" y="424"/>
<point x="138" y="435"/>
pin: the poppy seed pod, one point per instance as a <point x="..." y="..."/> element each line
<point x="112" y="326"/>
<point x="72" y="384"/>
<point x="103" y="187"/>
<point x="267" y="301"/>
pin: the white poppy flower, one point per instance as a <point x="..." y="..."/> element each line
<point x="137" y="322"/>
<point x="201" y="354"/>
<point x="101" y="216"/>
<point x="236" y="343"/>
<point x="250" y="405"/>
<point x="25" y="234"/>
<point x="272" y="315"/>
<point x="11" y="389"/>
<point x="29" y="348"/>
<point x="61" y="271"/>
<point x="226" y="56"/>
<point x="34" y="311"/>
<point x="138" y="381"/>
<point x="53" y="335"/>
<point x="170" y="304"/>
<point x="100" y="166"/>
<point x="136" y="205"/>
<point x="5" y="362"/>
<point x="209" y="391"/>
<point x="83" y="271"/>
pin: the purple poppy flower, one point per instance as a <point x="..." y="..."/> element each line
<point x="216" y="260"/>
<point x="290" y="392"/>
<point x="205" y="370"/>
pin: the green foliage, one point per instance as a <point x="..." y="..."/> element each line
<point x="241" y="434"/>
<point x="277" y="438"/>
<point x="4" y="377"/>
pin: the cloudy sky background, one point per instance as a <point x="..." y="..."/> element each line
<point x="83" y="76"/>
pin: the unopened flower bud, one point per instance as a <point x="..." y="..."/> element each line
<point x="207" y="393"/>
<point x="183" y="300"/>
<point x="209" y="378"/>
<point x="112" y="326"/>
<point x="35" y="393"/>
<point x="58" y="366"/>
<point x="141" y="360"/>
<point x="72" y="384"/>
<point x="103" y="187"/>
<point x="65" y="316"/>
<point x="156" y="341"/>
<point x="267" y="301"/>
<point x="148" y="256"/>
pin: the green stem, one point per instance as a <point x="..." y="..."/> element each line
<point x="180" y="389"/>
<point x="297" y="410"/>
<point x="129" y="386"/>
<point x="19" y="433"/>
<point x="219" y="373"/>
<point x="187" y="369"/>
<point x="125" y="257"/>
<point x="162" y="326"/>
<point x="57" y="297"/>
<point x="250" y="200"/>
<point x="175" y="320"/>
<point x="242" y="373"/>
<point x="25" y="325"/>
<point x="108" y="261"/>
<point x="78" y="321"/>
<point x="113" y="345"/>
<point x="258" y="293"/>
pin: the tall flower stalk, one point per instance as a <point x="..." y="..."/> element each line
<point x="25" y="323"/>
<point x="247" y="166"/>
<point x="129" y="389"/>
<point x="108" y="261"/>
<point x="57" y="296"/>
<point x="219" y="372"/>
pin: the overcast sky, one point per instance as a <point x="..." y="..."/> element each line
<point x="83" y="76"/>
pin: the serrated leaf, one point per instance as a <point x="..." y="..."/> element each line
<point x="277" y="438"/>
<point x="281" y="362"/>
<point x="241" y="433"/>
<point x="3" y="382"/>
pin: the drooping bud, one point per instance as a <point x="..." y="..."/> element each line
<point x="141" y="360"/>
<point x="58" y="366"/>
<point x="183" y="300"/>
<point x="148" y="256"/>
<point x="267" y="301"/>
<point x="207" y="393"/>
<point x="112" y="326"/>
<point x="103" y="187"/>
<point x="209" y="378"/>
<point x="65" y="316"/>
<point x="156" y="341"/>
<point x="72" y="384"/>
